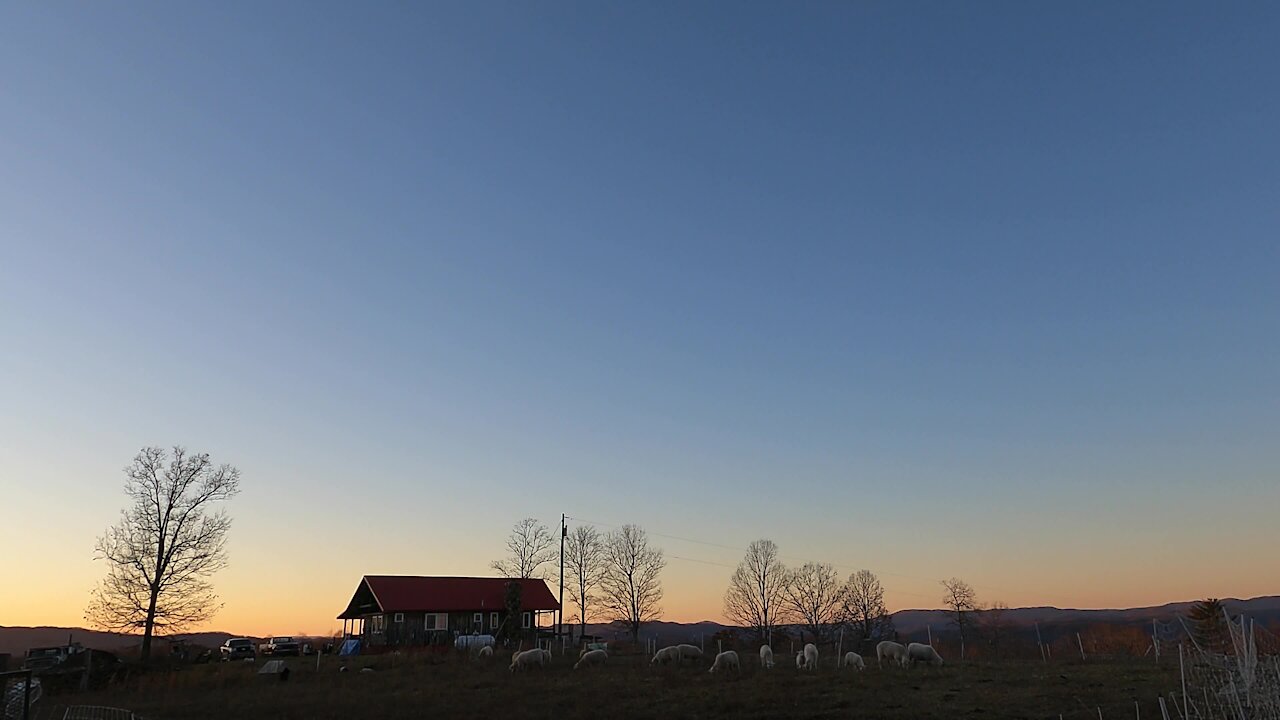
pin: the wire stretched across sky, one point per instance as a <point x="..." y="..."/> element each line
<point x="840" y="566"/>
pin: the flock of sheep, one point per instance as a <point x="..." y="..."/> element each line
<point x="806" y="659"/>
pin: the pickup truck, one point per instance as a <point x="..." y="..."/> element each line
<point x="237" y="649"/>
<point x="282" y="645"/>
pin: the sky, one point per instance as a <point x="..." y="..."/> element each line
<point x="983" y="289"/>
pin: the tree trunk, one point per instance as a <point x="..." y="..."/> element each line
<point x="149" y="628"/>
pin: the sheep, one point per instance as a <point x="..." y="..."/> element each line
<point x="854" y="660"/>
<point x="800" y="660"/>
<point x="766" y="657"/>
<point x="530" y="658"/>
<point x="592" y="657"/>
<point x="484" y="653"/>
<point x="895" y="652"/>
<point x="727" y="660"/>
<point x="919" y="652"/>
<point x="666" y="655"/>
<point x="810" y="657"/>
<point x="689" y="652"/>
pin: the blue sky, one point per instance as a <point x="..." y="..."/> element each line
<point x="985" y="289"/>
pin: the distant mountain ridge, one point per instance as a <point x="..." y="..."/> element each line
<point x="909" y="623"/>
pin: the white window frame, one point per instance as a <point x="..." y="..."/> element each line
<point x="477" y="620"/>
<point x="493" y="621"/>
<point x="527" y="619"/>
<point x="435" y="620"/>
<point x="399" y="618"/>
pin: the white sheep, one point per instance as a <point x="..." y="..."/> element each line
<point x="895" y="652"/>
<point x="484" y="653"/>
<point x="530" y="658"/>
<point x="689" y="652"/>
<point x="665" y="655"/>
<point x="592" y="657"/>
<point x="919" y="652"/>
<point x="810" y="657"/>
<point x="727" y="660"/>
<point x="854" y="660"/>
<point x="766" y="656"/>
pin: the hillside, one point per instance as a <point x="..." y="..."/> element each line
<point x="909" y="623"/>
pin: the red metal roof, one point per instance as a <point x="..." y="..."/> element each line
<point x="413" y="593"/>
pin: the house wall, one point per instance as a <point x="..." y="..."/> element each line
<point x="411" y="631"/>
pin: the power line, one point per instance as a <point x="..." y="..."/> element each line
<point x="841" y="566"/>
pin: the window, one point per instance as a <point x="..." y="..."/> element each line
<point x="493" y="620"/>
<point x="478" y="620"/>
<point x="435" y="621"/>
<point x="528" y="620"/>
<point x="377" y="623"/>
<point x="399" y="617"/>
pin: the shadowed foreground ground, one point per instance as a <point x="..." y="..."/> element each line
<point x="628" y="687"/>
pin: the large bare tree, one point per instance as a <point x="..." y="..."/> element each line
<point x="584" y="566"/>
<point x="630" y="587"/>
<point x="756" y="588"/>
<point x="812" y="595"/>
<point x="862" y="604"/>
<point x="961" y="600"/>
<point x="529" y="547"/>
<point x="166" y="545"/>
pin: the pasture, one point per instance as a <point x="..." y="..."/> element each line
<point x="455" y="686"/>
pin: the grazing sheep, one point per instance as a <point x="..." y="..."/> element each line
<point x="665" y="655"/>
<point x="727" y="660"/>
<point x="592" y="657"/>
<point x="919" y="652"/>
<point x="529" y="658"/>
<point x="484" y="653"/>
<point x="854" y="660"/>
<point x="689" y="652"/>
<point x="895" y="652"/>
<point x="810" y="657"/>
<point x="766" y="656"/>
<point x="800" y="660"/>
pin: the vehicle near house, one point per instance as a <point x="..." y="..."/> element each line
<point x="237" y="649"/>
<point x="44" y="659"/>
<point x="282" y="645"/>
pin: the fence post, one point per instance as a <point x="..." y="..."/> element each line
<point x="1081" y="644"/>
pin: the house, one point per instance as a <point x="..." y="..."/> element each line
<point x="416" y="610"/>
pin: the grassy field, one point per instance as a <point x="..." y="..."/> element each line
<point x="452" y="686"/>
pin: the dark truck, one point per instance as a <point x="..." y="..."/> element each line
<point x="237" y="649"/>
<point x="282" y="645"/>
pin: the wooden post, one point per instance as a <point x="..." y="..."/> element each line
<point x="840" y="649"/>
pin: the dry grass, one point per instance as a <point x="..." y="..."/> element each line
<point x="452" y="686"/>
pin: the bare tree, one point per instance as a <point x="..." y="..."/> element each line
<point x="584" y="569"/>
<point x="630" y="588"/>
<point x="961" y="600"/>
<point x="755" y="589"/>
<point x="993" y="624"/>
<point x="863" y="604"/>
<point x="166" y="545"/>
<point x="812" y="594"/>
<point x="530" y="546"/>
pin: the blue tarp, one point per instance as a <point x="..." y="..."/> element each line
<point x="350" y="646"/>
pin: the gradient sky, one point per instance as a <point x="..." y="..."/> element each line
<point x="976" y="289"/>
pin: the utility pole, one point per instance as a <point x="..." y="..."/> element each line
<point x="564" y="532"/>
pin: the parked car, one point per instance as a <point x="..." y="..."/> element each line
<point x="48" y="658"/>
<point x="238" y="649"/>
<point x="282" y="645"/>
